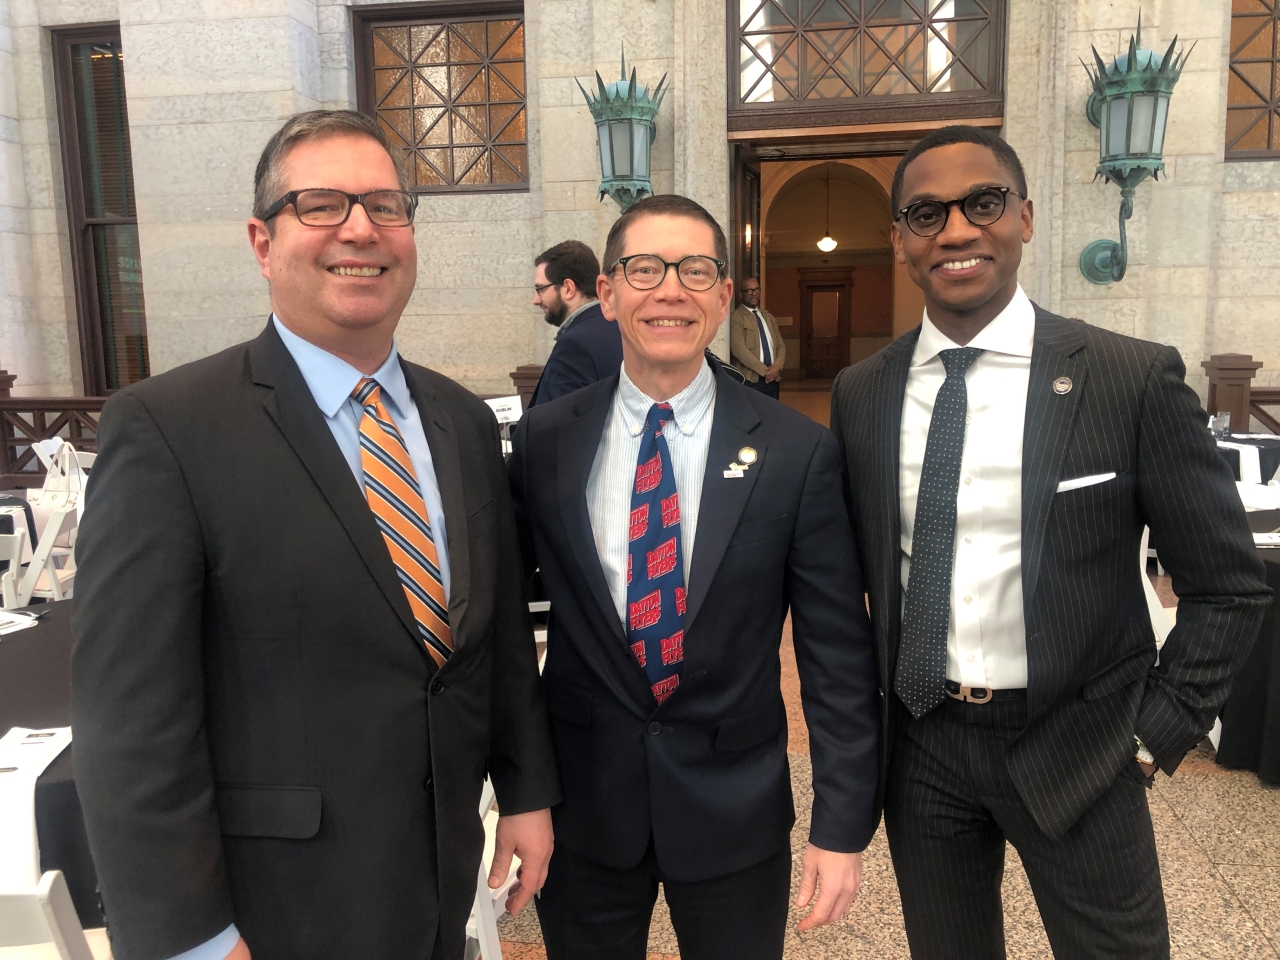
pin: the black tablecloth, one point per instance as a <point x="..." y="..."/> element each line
<point x="1251" y="717"/>
<point x="1268" y="456"/>
<point x="35" y="691"/>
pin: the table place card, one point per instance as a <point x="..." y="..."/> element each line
<point x="1266" y="539"/>
<point x="12" y="622"/>
<point x="24" y="755"/>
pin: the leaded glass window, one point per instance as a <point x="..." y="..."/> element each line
<point x="811" y="54"/>
<point x="1253" y="85"/>
<point x="450" y="92"/>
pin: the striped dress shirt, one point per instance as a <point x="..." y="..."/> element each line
<point x="613" y="473"/>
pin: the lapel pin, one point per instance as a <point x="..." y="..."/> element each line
<point x="748" y="456"/>
<point x="1062" y="386"/>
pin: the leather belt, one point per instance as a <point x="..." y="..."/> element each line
<point x="982" y="694"/>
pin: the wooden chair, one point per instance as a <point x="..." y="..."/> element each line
<point x="44" y="921"/>
<point x="11" y="547"/>
<point x="43" y="578"/>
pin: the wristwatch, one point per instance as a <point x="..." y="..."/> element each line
<point x="1143" y="755"/>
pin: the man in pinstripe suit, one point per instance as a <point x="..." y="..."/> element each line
<point x="1001" y="463"/>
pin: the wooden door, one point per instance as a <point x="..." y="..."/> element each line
<point x="744" y="227"/>
<point x="825" y="297"/>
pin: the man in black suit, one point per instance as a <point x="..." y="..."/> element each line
<point x="666" y="707"/>
<point x="301" y="639"/>
<point x="1001" y="464"/>
<point x="588" y="347"/>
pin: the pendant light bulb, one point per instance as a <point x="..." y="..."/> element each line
<point x="827" y="244"/>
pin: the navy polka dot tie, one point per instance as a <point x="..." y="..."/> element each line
<point x="922" y="658"/>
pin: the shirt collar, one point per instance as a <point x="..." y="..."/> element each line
<point x="689" y="406"/>
<point x="571" y="318"/>
<point x="1012" y="333"/>
<point x="332" y="380"/>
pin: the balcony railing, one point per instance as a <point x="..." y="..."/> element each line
<point x="27" y="420"/>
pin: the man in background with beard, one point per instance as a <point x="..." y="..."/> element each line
<point x="588" y="347"/>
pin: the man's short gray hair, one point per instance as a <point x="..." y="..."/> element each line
<point x="268" y="180"/>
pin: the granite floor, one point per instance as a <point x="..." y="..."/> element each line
<point x="1218" y="833"/>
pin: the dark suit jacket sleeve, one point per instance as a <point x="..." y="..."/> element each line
<point x="835" y="654"/>
<point x="1197" y="521"/>
<point x="142" y="761"/>
<point x="570" y="367"/>
<point x="522" y="760"/>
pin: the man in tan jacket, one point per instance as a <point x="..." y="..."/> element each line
<point x="757" y="348"/>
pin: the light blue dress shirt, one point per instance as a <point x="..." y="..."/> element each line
<point x="331" y="382"/>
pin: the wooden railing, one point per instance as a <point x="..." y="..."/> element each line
<point x="26" y="420"/>
<point x="1260" y="397"/>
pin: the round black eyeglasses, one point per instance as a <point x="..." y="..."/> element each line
<point x="330" y="208"/>
<point x="645" y="271"/>
<point x="928" y="218"/>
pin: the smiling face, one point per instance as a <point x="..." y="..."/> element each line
<point x="343" y="288"/>
<point x="665" y="330"/>
<point x="968" y="274"/>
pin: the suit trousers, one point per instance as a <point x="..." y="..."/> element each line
<point x="950" y="806"/>
<point x="773" y="390"/>
<point x="589" y="911"/>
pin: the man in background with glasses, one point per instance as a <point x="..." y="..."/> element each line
<point x="755" y="343"/>
<point x="676" y="517"/>
<point x="301" y="640"/>
<point x="1001" y="463"/>
<point x="587" y="345"/>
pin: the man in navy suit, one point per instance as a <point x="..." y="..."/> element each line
<point x="588" y="347"/>
<point x="677" y="516"/>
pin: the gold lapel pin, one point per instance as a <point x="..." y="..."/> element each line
<point x="1062" y="386"/>
<point x="748" y="456"/>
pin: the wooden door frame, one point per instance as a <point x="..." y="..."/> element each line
<point x="813" y="278"/>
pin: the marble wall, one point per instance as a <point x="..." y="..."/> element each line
<point x="209" y="80"/>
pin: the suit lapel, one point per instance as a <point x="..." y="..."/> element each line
<point x="442" y="438"/>
<point x="888" y="390"/>
<point x="291" y="406"/>
<point x="723" y="498"/>
<point x="577" y="441"/>
<point x="1047" y="432"/>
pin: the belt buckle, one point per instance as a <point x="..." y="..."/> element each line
<point x="968" y="696"/>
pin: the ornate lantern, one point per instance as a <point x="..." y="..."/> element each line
<point x="624" y="123"/>
<point x="1130" y="106"/>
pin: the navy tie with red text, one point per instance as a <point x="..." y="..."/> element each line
<point x="655" y="562"/>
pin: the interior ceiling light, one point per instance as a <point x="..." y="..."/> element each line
<point x="827" y="244"/>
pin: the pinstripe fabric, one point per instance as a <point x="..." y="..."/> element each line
<point x="1093" y="681"/>
<point x="396" y="501"/>
<point x="950" y="807"/>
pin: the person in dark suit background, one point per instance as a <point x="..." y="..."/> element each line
<point x="301" y="640"/>
<point x="666" y="706"/>
<point x="588" y="347"/>
<point x="1001" y="463"/>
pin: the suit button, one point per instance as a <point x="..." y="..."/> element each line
<point x="654" y="728"/>
<point x="438" y="687"/>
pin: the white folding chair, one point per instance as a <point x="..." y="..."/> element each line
<point x="1161" y="621"/>
<point x="85" y="459"/>
<point x="482" y="925"/>
<point x="43" y="578"/>
<point x="11" y="547"/>
<point x="45" y="922"/>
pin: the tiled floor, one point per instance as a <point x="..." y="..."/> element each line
<point x="1218" y="833"/>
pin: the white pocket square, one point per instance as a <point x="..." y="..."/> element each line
<point x="1079" y="482"/>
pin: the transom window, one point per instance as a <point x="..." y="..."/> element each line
<point x="1253" y="86"/>
<point x="843" y="55"/>
<point x="450" y="92"/>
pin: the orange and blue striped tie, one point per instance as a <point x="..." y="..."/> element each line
<point x="395" y="498"/>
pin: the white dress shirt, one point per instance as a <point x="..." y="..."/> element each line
<point x="610" y="484"/>
<point x="986" y="635"/>
<point x="768" y="337"/>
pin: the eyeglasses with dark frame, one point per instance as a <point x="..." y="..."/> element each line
<point x="646" y="271"/>
<point x="323" y="207"/>
<point x="982" y="208"/>
<point x="539" y="287"/>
